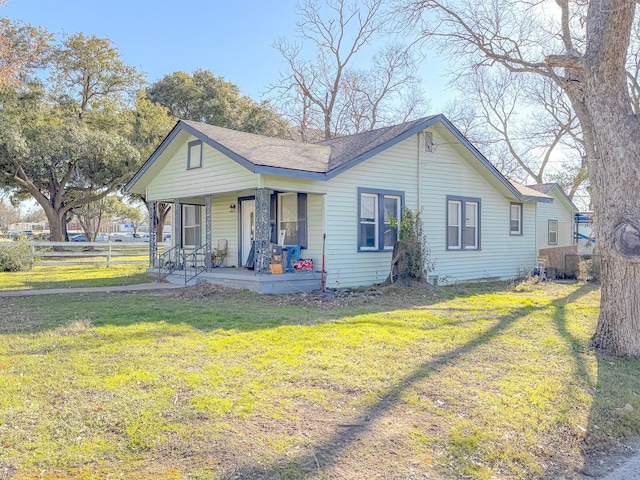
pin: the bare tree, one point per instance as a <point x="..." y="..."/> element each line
<point x="582" y="47"/>
<point x="327" y="94"/>
<point x="524" y="124"/>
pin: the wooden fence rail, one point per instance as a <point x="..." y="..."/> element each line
<point x="89" y="253"/>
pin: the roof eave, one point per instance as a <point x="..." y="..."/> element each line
<point x="531" y="198"/>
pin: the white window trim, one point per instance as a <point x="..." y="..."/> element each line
<point x="555" y="223"/>
<point x="191" y="164"/>
<point x="196" y="226"/>
<point x="281" y="218"/>
<point x="376" y="199"/>
<point x="520" y="215"/>
<point x="458" y="224"/>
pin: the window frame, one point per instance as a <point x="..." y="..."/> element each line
<point x="190" y="163"/>
<point x="379" y="220"/>
<point x="462" y="223"/>
<point x="275" y="209"/>
<point x="549" y="223"/>
<point x="197" y="226"/>
<point x="520" y="230"/>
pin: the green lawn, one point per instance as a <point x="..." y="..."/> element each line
<point x="45" y="277"/>
<point x="477" y="381"/>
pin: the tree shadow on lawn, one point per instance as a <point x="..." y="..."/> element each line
<point x="326" y="455"/>
<point x="611" y="435"/>
<point x="226" y="309"/>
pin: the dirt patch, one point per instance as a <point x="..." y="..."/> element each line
<point x="381" y="296"/>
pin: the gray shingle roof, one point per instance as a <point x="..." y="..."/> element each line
<point x="267" y="151"/>
<point x="345" y="149"/>
<point x="542" y="187"/>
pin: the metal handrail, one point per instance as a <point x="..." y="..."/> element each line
<point x="169" y="261"/>
<point x="191" y="260"/>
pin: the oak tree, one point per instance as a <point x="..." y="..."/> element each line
<point x="584" y="48"/>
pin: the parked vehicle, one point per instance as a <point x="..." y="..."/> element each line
<point x="128" y="237"/>
<point x="78" y="238"/>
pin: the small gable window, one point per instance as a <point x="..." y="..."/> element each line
<point x="515" y="220"/>
<point x="194" y="155"/>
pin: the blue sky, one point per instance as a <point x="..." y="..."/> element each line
<point x="233" y="39"/>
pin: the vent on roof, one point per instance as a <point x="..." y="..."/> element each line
<point x="428" y="142"/>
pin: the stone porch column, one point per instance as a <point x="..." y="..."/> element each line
<point x="153" y="233"/>
<point x="263" y="230"/>
<point x="177" y="222"/>
<point x="207" y="232"/>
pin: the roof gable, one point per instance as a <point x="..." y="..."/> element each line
<point x="321" y="161"/>
<point x="554" y="190"/>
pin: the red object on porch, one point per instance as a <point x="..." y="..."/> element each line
<point x="304" y="264"/>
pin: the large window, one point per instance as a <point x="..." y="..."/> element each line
<point x="191" y="229"/>
<point x="378" y="216"/>
<point x="289" y="219"/>
<point x="515" y="219"/>
<point x="553" y="232"/>
<point x="194" y="154"/>
<point x="463" y="223"/>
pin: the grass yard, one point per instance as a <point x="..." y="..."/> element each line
<point x="475" y="381"/>
<point x="46" y="277"/>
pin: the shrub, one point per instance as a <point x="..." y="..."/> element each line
<point x="411" y="256"/>
<point x="17" y="257"/>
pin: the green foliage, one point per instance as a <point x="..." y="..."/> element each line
<point x="203" y="97"/>
<point x="74" y="138"/>
<point x="17" y="257"/>
<point x="412" y="253"/>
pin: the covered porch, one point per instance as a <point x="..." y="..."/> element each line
<point x="250" y="239"/>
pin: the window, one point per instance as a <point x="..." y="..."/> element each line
<point x="463" y="223"/>
<point x="194" y="154"/>
<point x="553" y="232"/>
<point x="515" y="219"/>
<point x="191" y="233"/>
<point x="378" y="216"/>
<point x="289" y="215"/>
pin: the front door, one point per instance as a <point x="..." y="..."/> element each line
<point x="248" y="228"/>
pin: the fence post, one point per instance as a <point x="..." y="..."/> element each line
<point x="109" y="257"/>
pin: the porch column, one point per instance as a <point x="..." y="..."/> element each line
<point x="153" y="233"/>
<point x="263" y="230"/>
<point x="207" y="232"/>
<point x="177" y="222"/>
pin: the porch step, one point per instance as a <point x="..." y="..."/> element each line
<point x="297" y="282"/>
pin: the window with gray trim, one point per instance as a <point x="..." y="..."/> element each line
<point x="194" y="154"/>
<point x="553" y="232"/>
<point x="191" y="226"/>
<point x="379" y="212"/>
<point x="515" y="219"/>
<point x="463" y="223"/>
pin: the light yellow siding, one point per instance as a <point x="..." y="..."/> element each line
<point x="559" y="211"/>
<point x="446" y="171"/>
<point x="218" y="174"/>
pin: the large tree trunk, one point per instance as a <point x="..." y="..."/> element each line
<point x="57" y="223"/>
<point x="615" y="175"/>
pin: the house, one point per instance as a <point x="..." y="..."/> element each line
<point x="556" y="220"/>
<point x="336" y="199"/>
